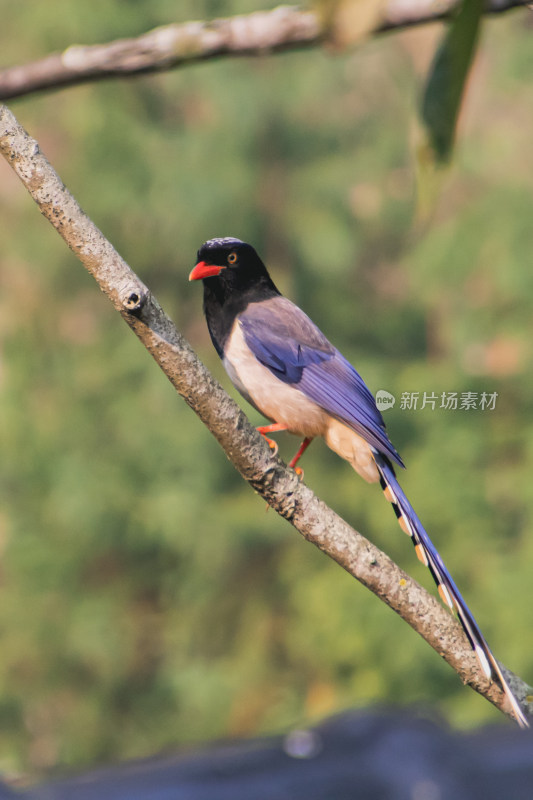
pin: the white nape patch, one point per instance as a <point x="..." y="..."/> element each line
<point x="224" y="241"/>
<point x="275" y="399"/>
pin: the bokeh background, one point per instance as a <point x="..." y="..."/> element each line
<point x="146" y="599"/>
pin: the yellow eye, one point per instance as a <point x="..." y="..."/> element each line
<point x="232" y="258"/>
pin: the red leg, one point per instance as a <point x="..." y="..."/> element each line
<point x="303" y="447"/>
<point x="275" y="426"/>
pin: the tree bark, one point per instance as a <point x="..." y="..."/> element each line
<point x="171" y="46"/>
<point x="244" y="447"/>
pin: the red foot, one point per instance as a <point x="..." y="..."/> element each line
<point x="272" y="444"/>
<point x="264" y="429"/>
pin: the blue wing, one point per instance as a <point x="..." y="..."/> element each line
<point x="286" y="341"/>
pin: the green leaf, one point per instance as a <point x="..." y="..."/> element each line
<point x="445" y="86"/>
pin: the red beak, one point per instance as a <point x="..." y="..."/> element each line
<point x="204" y="270"/>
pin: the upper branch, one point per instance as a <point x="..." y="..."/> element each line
<point x="244" y="447"/>
<point x="171" y="46"/>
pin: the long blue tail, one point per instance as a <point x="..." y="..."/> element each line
<point x="450" y="594"/>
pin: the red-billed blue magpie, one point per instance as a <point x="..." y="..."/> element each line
<point x="286" y="368"/>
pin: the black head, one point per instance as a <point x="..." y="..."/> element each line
<point x="230" y="265"/>
<point x="233" y="276"/>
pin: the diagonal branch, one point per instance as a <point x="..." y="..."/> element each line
<point x="244" y="447"/>
<point x="172" y="46"/>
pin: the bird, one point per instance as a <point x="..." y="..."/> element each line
<point x="287" y="369"/>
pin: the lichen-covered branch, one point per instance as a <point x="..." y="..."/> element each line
<point x="245" y="448"/>
<point x="171" y="46"/>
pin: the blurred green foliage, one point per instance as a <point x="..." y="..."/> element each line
<point x="146" y="599"/>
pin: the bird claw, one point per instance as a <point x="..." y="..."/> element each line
<point x="273" y="445"/>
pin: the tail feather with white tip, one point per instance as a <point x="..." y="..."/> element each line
<point x="448" y="591"/>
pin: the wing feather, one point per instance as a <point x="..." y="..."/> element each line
<point x="291" y="346"/>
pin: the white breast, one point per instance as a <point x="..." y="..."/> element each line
<point x="277" y="400"/>
<point x="283" y="403"/>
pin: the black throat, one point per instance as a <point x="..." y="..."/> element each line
<point x="223" y="302"/>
